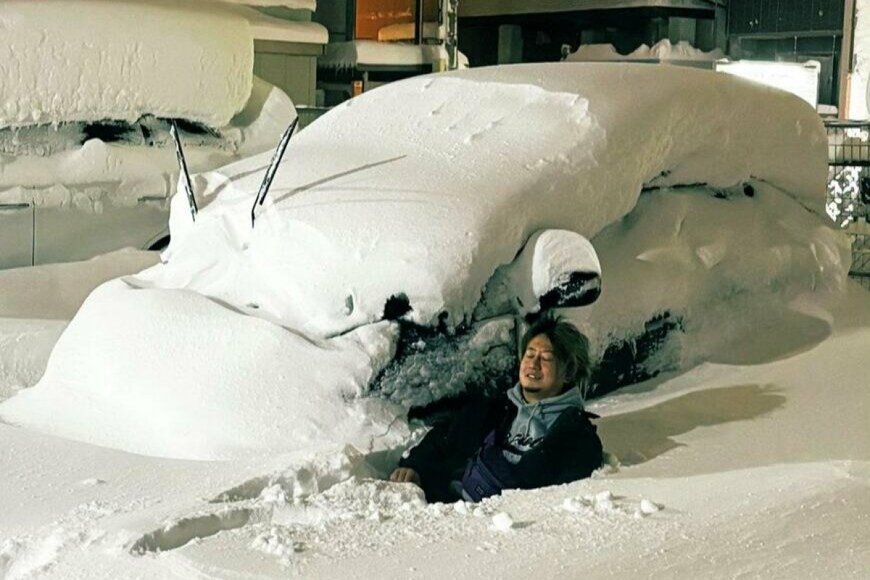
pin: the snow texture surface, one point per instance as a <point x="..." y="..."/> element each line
<point x="122" y="60"/>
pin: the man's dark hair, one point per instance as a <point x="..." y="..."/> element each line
<point x="570" y="348"/>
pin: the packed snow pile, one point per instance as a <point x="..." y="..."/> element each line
<point x="122" y="60"/>
<point x="663" y="50"/>
<point x="431" y="207"/>
<point x="720" y="262"/>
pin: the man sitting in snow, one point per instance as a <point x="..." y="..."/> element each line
<point x="536" y="434"/>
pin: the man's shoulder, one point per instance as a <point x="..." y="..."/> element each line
<point x="576" y="419"/>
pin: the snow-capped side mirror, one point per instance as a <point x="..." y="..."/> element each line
<point x="563" y="268"/>
<point x="554" y="269"/>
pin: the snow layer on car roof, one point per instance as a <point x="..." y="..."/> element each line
<point x="423" y="188"/>
<point x="121" y="60"/>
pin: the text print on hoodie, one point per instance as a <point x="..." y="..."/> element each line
<point x="534" y="420"/>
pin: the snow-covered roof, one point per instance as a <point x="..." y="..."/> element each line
<point x="663" y="51"/>
<point x="424" y="187"/>
<point x="121" y="60"/>
<point x="370" y="52"/>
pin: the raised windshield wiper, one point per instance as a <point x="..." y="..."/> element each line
<point x="273" y="168"/>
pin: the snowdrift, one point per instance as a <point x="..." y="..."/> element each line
<point x="121" y="60"/>
<point x="246" y="341"/>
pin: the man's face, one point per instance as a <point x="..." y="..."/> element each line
<point x="540" y="376"/>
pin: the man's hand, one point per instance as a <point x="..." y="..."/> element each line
<point x="405" y="475"/>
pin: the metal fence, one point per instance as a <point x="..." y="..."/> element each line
<point x="848" y="196"/>
<point x="860" y="271"/>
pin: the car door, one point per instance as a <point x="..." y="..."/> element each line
<point x="16" y="234"/>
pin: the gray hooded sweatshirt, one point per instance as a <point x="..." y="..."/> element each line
<point x="534" y="420"/>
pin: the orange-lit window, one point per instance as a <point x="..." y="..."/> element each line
<point x="372" y="15"/>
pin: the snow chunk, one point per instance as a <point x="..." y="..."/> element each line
<point x="502" y="522"/>
<point x="647" y="507"/>
<point x="122" y="60"/>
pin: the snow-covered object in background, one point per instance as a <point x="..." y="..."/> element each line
<point x="442" y="179"/>
<point x="121" y="60"/>
<point x="405" y="31"/>
<point x="342" y="55"/>
<point x="265" y="27"/>
<point x="663" y="50"/>
<point x="310" y="5"/>
<point x="92" y="196"/>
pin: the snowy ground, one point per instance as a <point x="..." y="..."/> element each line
<point x="755" y="464"/>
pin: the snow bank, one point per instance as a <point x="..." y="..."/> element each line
<point x="122" y="60"/>
<point x="242" y="385"/>
<point x="662" y="50"/>
<point x="56" y="291"/>
<point x="87" y="175"/>
<point x="25" y="346"/>
<point x="465" y="167"/>
<point x="724" y="266"/>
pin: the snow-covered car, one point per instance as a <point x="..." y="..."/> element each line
<point x="407" y="232"/>
<point x="87" y="164"/>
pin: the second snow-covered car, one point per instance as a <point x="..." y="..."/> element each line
<point x="86" y="93"/>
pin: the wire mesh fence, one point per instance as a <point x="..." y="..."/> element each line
<point x="848" y="196"/>
<point x="860" y="271"/>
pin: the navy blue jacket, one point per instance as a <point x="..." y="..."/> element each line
<point x="571" y="449"/>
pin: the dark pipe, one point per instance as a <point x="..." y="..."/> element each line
<point x="418" y="31"/>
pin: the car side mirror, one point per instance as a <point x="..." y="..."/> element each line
<point x="554" y="269"/>
<point x="564" y="269"/>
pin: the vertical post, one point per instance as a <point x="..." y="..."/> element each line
<point x="847" y="47"/>
<point x="510" y="43"/>
<point x="452" y="41"/>
<point x="418" y="19"/>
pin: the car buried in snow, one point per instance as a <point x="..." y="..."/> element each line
<point x="408" y="233"/>
<point x="87" y="164"/>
